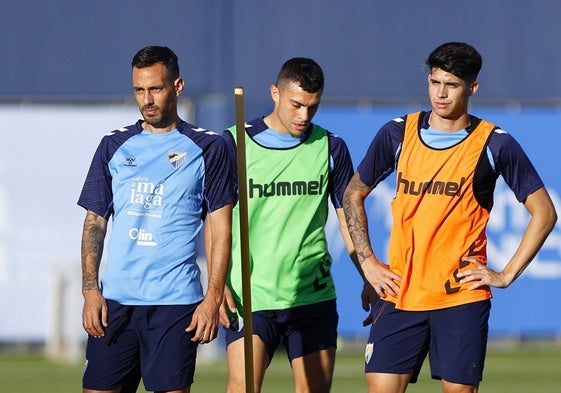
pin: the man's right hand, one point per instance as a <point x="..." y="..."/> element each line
<point x="94" y="313"/>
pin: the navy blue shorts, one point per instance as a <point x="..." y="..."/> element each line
<point x="142" y="340"/>
<point x="302" y="330"/>
<point x="455" y="339"/>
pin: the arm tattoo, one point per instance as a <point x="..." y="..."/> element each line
<point x="357" y="222"/>
<point x="93" y="236"/>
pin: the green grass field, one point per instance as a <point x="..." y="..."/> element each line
<point x="527" y="370"/>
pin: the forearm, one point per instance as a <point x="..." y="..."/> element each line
<point x="356" y="219"/>
<point x="348" y="242"/>
<point x="542" y="221"/>
<point x="93" y="236"/>
<point x="218" y="270"/>
<point x="219" y="249"/>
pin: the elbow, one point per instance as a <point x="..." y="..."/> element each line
<point x="552" y="218"/>
<point x="548" y="219"/>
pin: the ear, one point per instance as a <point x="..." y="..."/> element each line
<point x="274" y="93"/>
<point x="473" y="88"/>
<point x="179" y="84"/>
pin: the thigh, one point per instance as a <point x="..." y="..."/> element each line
<point x="310" y="338"/>
<point x="314" y="372"/>
<point x="235" y="353"/>
<point x="387" y="383"/>
<point x="168" y="356"/>
<point x="113" y="361"/>
<point x="398" y="341"/>
<point x="265" y="327"/>
<point x="459" y="342"/>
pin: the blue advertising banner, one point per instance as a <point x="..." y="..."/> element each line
<point x="529" y="307"/>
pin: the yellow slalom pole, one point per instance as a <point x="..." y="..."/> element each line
<point x="244" y="240"/>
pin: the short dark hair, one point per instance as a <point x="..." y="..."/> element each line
<point x="150" y="55"/>
<point x="304" y="71"/>
<point x="457" y="58"/>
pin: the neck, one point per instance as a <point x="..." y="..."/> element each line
<point x="271" y="120"/>
<point x="448" y="124"/>
<point x="161" y="128"/>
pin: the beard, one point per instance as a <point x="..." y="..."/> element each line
<point x="158" y="121"/>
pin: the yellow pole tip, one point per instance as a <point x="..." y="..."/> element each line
<point x="238" y="90"/>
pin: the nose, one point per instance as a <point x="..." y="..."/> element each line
<point x="442" y="90"/>
<point x="304" y="113"/>
<point x="147" y="98"/>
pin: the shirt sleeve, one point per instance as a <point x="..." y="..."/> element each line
<point x="219" y="184"/>
<point x="97" y="192"/>
<point x="381" y="157"/>
<point x="232" y="152"/>
<point x="341" y="169"/>
<point x="512" y="163"/>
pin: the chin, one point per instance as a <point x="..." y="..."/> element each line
<point x="297" y="134"/>
<point x="157" y="123"/>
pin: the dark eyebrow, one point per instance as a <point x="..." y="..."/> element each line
<point x="447" y="83"/>
<point x="296" y="102"/>
<point x="293" y="101"/>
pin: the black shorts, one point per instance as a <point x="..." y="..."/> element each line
<point x="142" y="340"/>
<point x="455" y="338"/>
<point x="302" y="330"/>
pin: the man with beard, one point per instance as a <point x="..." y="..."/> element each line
<point x="158" y="179"/>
